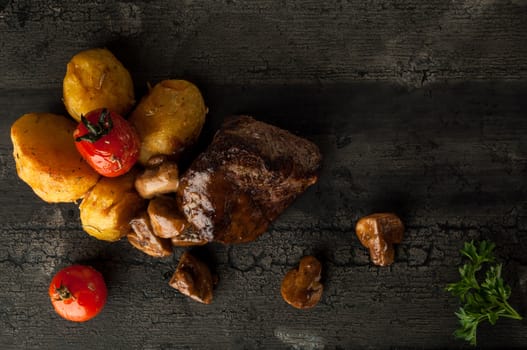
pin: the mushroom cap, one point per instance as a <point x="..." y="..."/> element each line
<point x="301" y="287"/>
<point x="378" y="232"/>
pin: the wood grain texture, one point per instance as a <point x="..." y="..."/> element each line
<point x="413" y="42"/>
<point x="418" y="107"/>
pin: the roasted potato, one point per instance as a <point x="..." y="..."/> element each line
<point x="96" y="79"/>
<point x="169" y="118"/>
<point x="47" y="160"/>
<point x="107" y="209"/>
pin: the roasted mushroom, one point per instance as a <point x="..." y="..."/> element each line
<point x="378" y="232"/>
<point x="160" y="178"/>
<point x="193" y="279"/>
<point x="168" y="222"/>
<point x="165" y="218"/>
<point x="144" y="239"/>
<point x="301" y="287"/>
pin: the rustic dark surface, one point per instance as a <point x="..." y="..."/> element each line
<point x="419" y="107"/>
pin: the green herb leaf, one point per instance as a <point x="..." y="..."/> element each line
<point x="481" y="301"/>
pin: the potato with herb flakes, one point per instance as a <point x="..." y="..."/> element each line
<point x="169" y="118"/>
<point x="96" y="79"/>
<point x="107" y="209"/>
<point x="47" y="160"/>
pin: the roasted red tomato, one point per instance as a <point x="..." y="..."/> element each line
<point x="107" y="142"/>
<point x="78" y="293"/>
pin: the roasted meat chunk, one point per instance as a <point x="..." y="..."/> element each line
<point x="188" y="237"/>
<point x="193" y="278"/>
<point x="248" y="176"/>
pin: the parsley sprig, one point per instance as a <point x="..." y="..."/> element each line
<point x="481" y="301"/>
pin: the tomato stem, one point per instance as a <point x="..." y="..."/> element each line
<point x="96" y="131"/>
<point x="63" y="292"/>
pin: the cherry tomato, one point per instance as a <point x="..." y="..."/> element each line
<point x="107" y="142"/>
<point x="78" y="293"/>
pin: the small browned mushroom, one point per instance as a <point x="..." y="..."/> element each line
<point x="165" y="218"/>
<point x="378" y="232"/>
<point x="301" y="287"/>
<point x="159" y="178"/>
<point x="167" y="222"/>
<point x="144" y="239"/>
<point x="193" y="279"/>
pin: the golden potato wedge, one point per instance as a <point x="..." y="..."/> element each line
<point x="169" y="118"/>
<point x="47" y="160"/>
<point x="107" y="209"/>
<point x="96" y="79"/>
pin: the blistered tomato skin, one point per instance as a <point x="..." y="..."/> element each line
<point x="107" y="142"/>
<point x="78" y="293"/>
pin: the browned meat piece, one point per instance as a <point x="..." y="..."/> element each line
<point x="161" y="176"/>
<point x="193" y="278"/>
<point x="188" y="237"/>
<point x="250" y="174"/>
<point x="165" y="218"/>
<point x="144" y="239"/>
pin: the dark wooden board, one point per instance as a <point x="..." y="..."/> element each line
<point x="419" y="107"/>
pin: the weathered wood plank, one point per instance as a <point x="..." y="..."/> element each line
<point x="223" y="42"/>
<point x="418" y="106"/>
